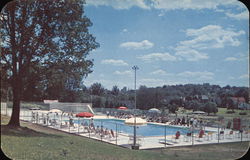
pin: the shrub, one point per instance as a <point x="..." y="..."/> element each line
<point x="243" y="113"/>
<point x="230" y="112"/>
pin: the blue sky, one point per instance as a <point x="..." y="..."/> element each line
<point x="172" y="42"/>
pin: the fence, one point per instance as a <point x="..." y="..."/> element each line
<point x="151" y="135"/>
<point x="3" y="108"/>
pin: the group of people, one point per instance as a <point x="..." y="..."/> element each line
<point x="123" y="115"/>
<point x="189" y="121"/>
<point x="98" y="130"/>
<point x="46" y="120"/>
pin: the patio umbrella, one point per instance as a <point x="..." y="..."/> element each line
<point x="139" y="121"/>
<point x="199" y="112"/>
<point x="122" y="108"/>
<point x="154" y="110"/>
<point x="55" y="111"/>
<point x="34" y="108"/>
<point x="84" y="114"/>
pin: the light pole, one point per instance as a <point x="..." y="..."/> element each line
<point x="134" y="146"/>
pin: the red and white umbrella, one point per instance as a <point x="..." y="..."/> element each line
<point x="84" y="114"/>
<point x="122" y="108"/>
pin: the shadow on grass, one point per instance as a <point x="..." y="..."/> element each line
<point x="24" y="132"/>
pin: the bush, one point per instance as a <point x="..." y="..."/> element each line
<point x="230" y="112"/>
<point x="243" y="113"/>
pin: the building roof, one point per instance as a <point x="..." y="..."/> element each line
<point x="204" y="97"/>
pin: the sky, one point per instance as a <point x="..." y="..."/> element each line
<point x="172" y="42"/>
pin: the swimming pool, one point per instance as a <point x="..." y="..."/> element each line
<point x="145" y="130"/>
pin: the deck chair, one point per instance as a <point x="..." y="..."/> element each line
<point x="65" y="125"/>
<point x="246" y="134"/>
<point x="230" y="134"/>
<point x="201" y="135"/>
<point x="221" y="135"/>
<point x="176" y="136"/>
<point x="209" y="136"/>
<point x="188" y="137"/>
<point x="166" y="142"/>
<point x="111" y="136"/>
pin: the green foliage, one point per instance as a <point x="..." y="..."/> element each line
<point x="97" y="89"/>
<point x="45" y="45"/>
<point x="115" y="90"/>
<point x="230" y="112"/>
<point x="230" y="104"/>
<point x="243" y="113"/>
<point x="210" y="107"/>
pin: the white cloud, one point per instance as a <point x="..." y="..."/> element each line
<point x="231" y="59"/>
<point x="191" y="4"/>
<point x="211" y="36"/>
<point x="176" y="4"/>
<point x="119" y="4"/>
<point x="159" y="72"/>
<point x="197" y="75"/>
<point x="125" y="30"/>
<point x="114" y="62"/>
<point x="157" y="57"/>
<point x="164" y="4"/>
<point x="123" y="72"/>
<point x="244" y="76"/>
<point x="239" y="16"/>
<point x="239" y="57"/>
<point x="190" y="54"/>
<point x="145" y="44"/>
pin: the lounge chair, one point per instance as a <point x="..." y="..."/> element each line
<point x="53" y="122"/>
<point x="71" y="123"/>
<point x="167" y="142"/>
<point x="221" y="135"/>
<point x="64" y="125"/>
<point x="176" y="136"/>
<point x="209" y="136"/>
<point x="246" y="133"/>
<point x="230" y="134"/>
<point x="86" y="129"/>
<point x="188" y="137"/>
<point x="201" y="135"/>
<point x="111" y="136"/>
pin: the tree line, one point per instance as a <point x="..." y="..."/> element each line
<point x="171" y="97"/>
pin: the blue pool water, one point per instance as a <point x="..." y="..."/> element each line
<point x="145" y="130"/>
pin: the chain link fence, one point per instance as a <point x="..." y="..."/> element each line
<point x="107" y="127"/>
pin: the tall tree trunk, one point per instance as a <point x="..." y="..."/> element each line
<point x="14" y="120"/>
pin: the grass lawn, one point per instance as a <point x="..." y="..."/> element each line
<point x="32" y="141"/>
<point x="222" y="112"/>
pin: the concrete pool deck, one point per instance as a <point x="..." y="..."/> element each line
<point x="152" y="142"/>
